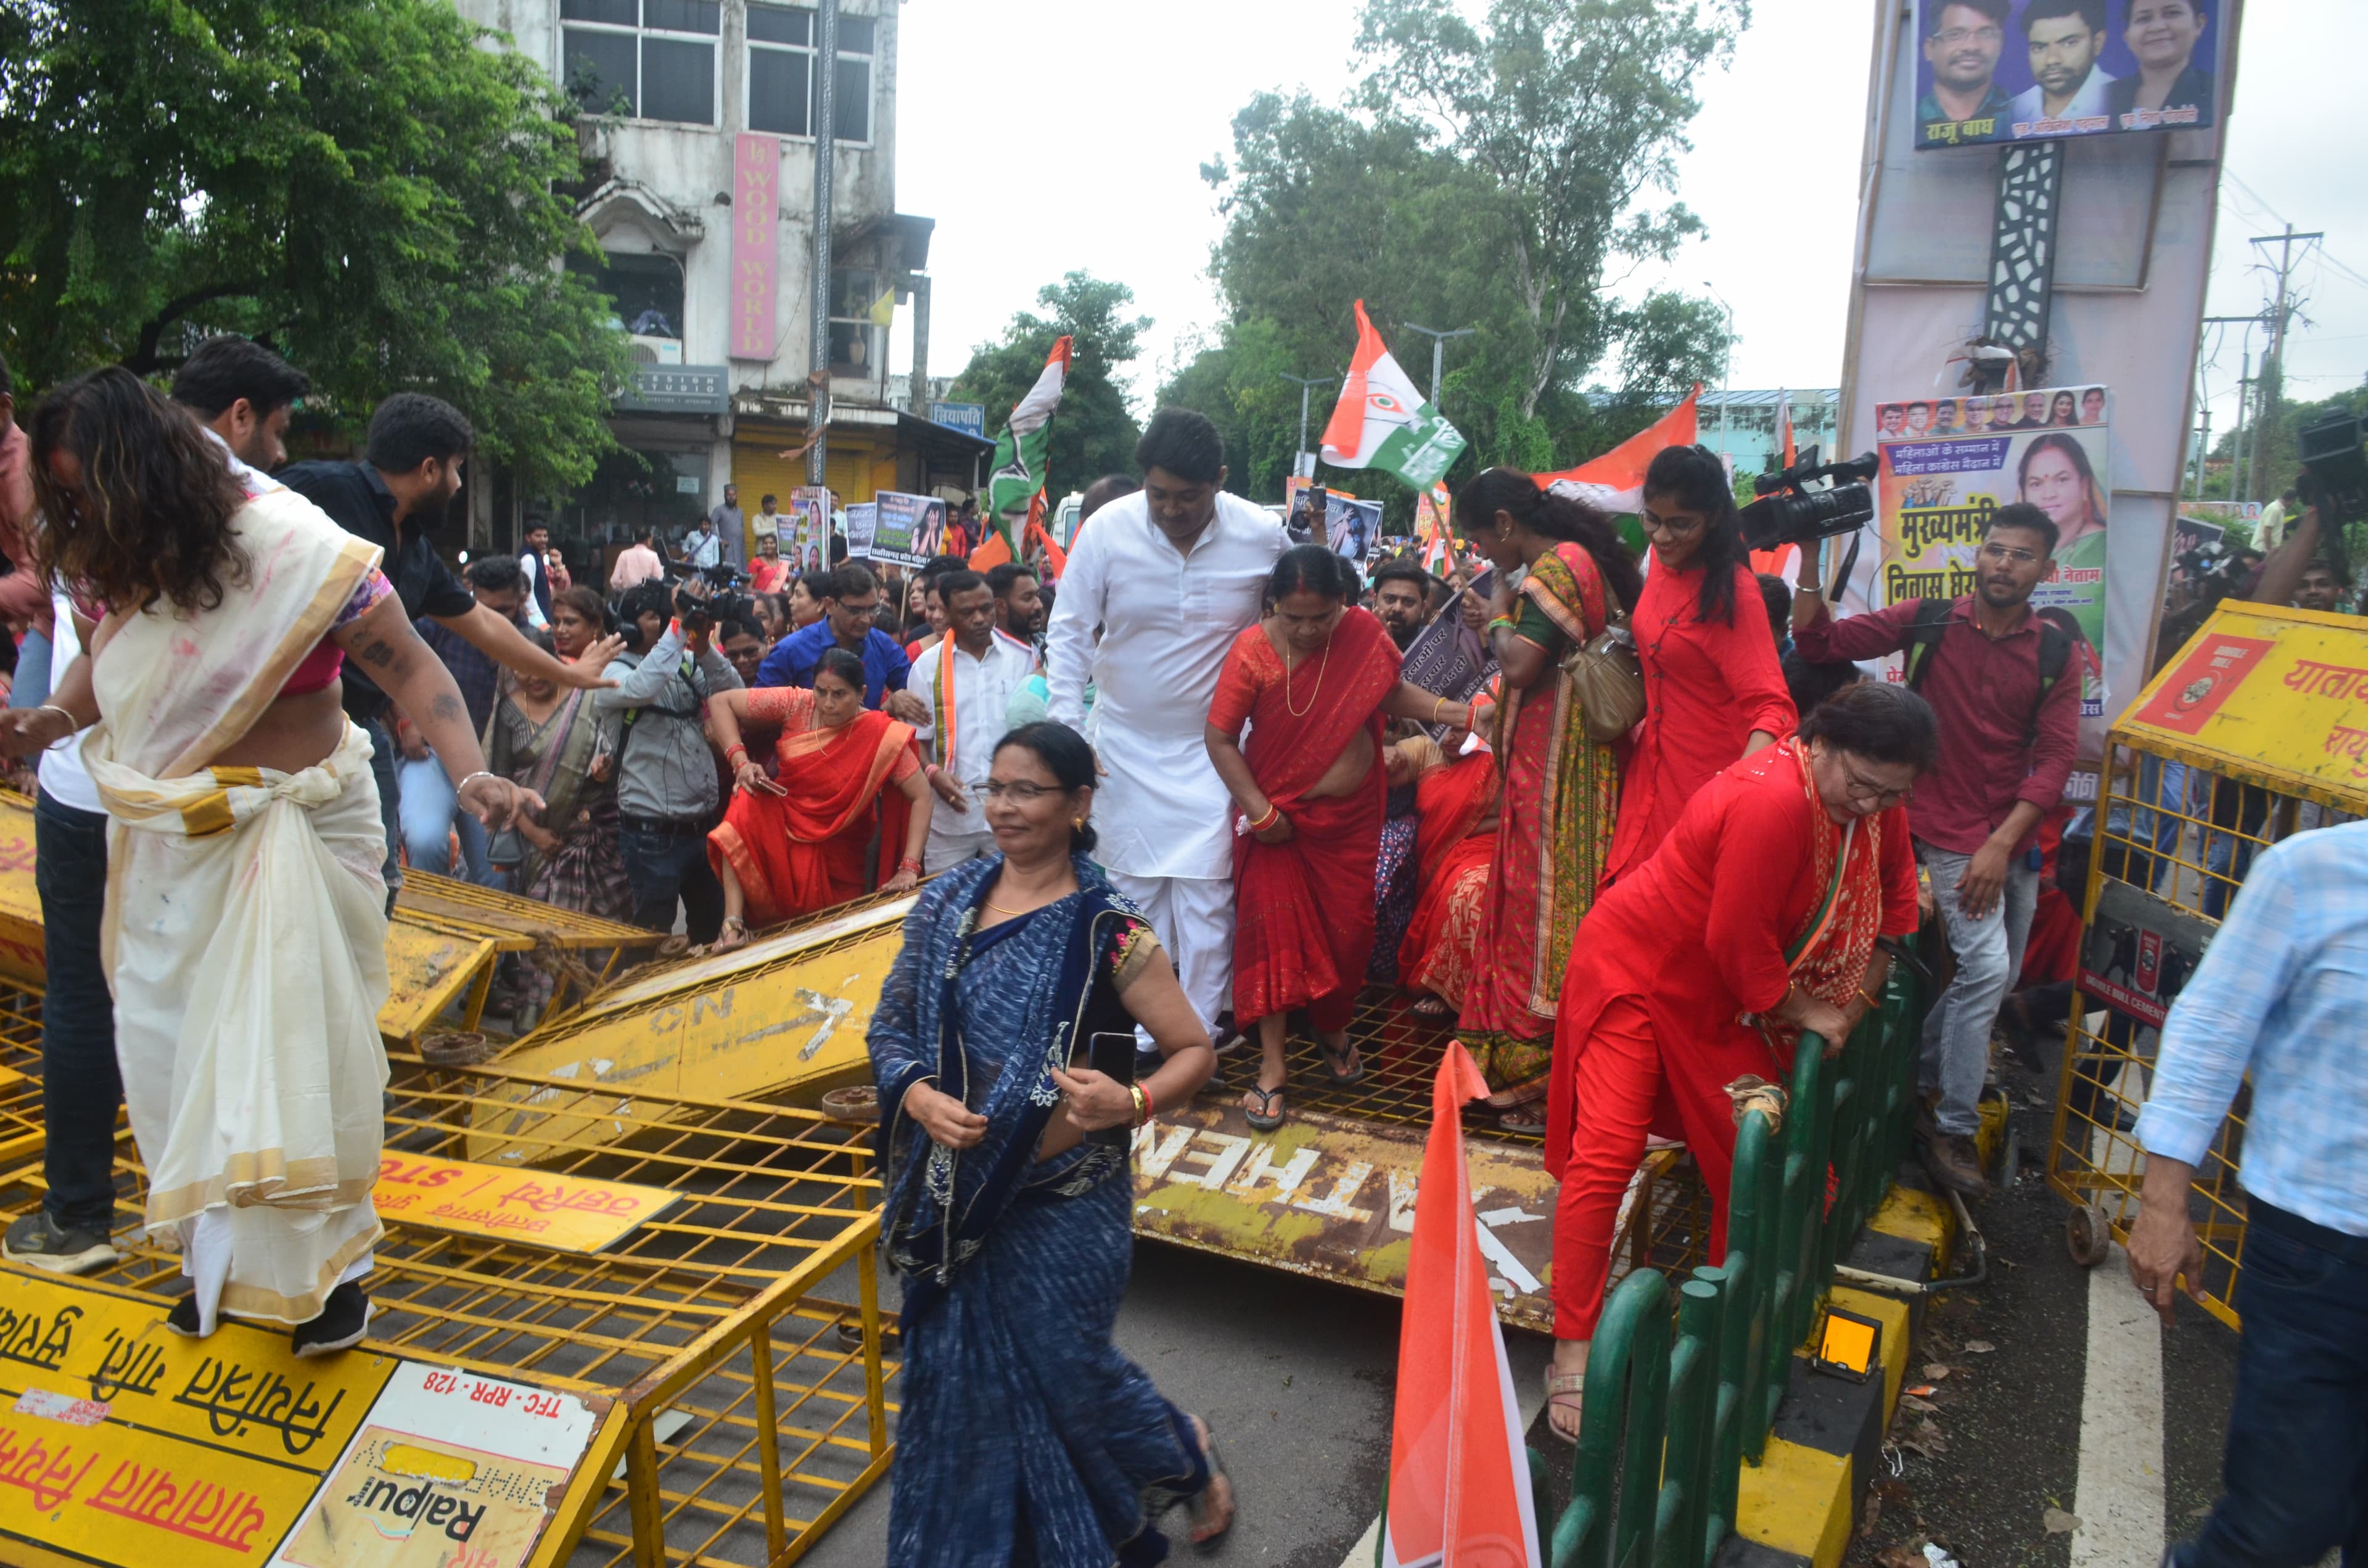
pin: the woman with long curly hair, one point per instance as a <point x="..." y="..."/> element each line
<point x="245" y="921"/>
<point x="1713" y="690"/>
<point x="1555" y="810"/>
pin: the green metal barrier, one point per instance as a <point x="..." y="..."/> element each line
<point x="1678" y="1402"/>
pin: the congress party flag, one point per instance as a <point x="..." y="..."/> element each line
<point x="1381" y="422"/>
<point x="1459" y="1491"/>
<point x="1020" y="452"/>
<point x="1615" y="481"/>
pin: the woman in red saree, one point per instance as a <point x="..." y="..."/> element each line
<point x="1555" y="816"/>
<point x="1455" y="844"/>
<point x="790" y="848"/>
<point x="1313" y="680"/>
<point x="1713" y="690"/>
<point x="1756" y="920"/>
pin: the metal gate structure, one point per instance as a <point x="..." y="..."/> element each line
<point x="2256" y="730"/>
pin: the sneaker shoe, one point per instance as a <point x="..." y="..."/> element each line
<point x="343" y="1319"/>
<point x="39" y="1241"/>
<point x="183" y="1319"/>
<point x="1956" y="1165"/>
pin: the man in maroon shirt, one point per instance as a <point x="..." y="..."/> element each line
<point x="2010" y="706"/>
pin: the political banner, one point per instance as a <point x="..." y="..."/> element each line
<point x="908" y="529"/>
<point x="1948" y="463"/>
<point x="2045" y="70"/>
<point x="805" y="528"/>
<point x="1449" y="657"/>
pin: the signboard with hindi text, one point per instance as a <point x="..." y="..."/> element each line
<point x="2043" y="71"/>
<point x="2275" y="695"/>
<point x="1948" y="463"/>
<point x="562" y="1214"/>
<point x="122" y="1443"/>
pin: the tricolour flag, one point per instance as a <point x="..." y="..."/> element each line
<point x="1459" y="1491"/>
<point x="1381" y="422"/>
<point x="1615" y="481"/>
<point x="1018" y="480"/>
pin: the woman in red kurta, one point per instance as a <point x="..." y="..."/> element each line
<point x="790" y="846"/>
<point x="1312" y="679"/>
<point x="1713" y="691"/>
<point x="1756" y="920"/>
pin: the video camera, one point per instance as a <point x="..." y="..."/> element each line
<point x="2334" y="469"/>
<point x="1790" y="511"/>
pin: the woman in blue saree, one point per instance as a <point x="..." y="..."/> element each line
<point x="1026" y="1438"/>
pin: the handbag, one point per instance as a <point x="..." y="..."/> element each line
<point x="1606" y="675"/>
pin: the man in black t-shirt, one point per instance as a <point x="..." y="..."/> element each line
<point x="394" y="498"/>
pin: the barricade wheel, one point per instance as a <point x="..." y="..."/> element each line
<point x="2087" y="1235"/>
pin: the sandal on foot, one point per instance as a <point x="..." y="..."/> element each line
<point x="1529" y="1092"/>
<point x="1333" y="1073"/>
<point x="731" y="938"/>
<point x="1430" y="1007"/>
<point x="1265" y="1119"/>
<point x="1563" y="1391"/>
<point x="1530" y="1118"/>
<point x="1211" y="1508"/>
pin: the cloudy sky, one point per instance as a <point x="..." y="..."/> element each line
<point x="1146" y="93"/>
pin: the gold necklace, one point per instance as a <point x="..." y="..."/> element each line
<point x="1302" y="712"/>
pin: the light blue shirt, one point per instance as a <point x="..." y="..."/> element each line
<point x="2281" y="993"/>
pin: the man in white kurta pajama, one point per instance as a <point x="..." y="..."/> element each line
<point x="1168" y="609"/>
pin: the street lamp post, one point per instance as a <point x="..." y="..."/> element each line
<point x="1726" y="374"/>
<point x="1437" y="345"/>
<point x="1306" y="384"/>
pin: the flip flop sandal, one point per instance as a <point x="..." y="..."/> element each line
<point x="1565" y="1388"/>
<point x="1430" y="1007"/>
<point x="1522" y="1119"/>
<point x="1201" y="1507"/>
<point x="1265" y="1119"/>
<point x="1529" y="1092"/>
<point x="1332" y="1073"/>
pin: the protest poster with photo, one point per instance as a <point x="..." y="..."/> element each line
<point x="1948" y="463"/>
<point x="804" y="528"/>
<point x="1449" y="657"/>
<point x="2044" y="70"/>
<point x="909" y="529"/>
<point x="1351" y="525"/>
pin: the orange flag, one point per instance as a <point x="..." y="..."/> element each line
<point x="1615" y="480"/>
<point x="1459" y="1492"/>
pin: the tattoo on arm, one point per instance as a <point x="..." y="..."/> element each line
<point x="449" y="709"/>
<point x="378" y="652"/>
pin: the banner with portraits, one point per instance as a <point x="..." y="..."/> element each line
<point x="1948" y="463"/>
<point x="2044" y="69"/>
<point x="805" y="528"/>
<point x="906" y="529"/>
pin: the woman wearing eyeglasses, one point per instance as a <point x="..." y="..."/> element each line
<point x="794" y="843"/>
<point x="1755" y="922"/>
<point x="1008" y="1204"/>
<point x="1714" y="689"/>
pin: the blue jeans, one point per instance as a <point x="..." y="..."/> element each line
<point x="81" y="1087"/>
<point x="2295" y="1468"/>
<point x="666" y="862"/>
<point x="431" y="814"/>
<point x="30" y="687"/>
<point x="1989" y="955"/>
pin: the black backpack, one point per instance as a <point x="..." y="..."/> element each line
<point x="1931" y="623"/>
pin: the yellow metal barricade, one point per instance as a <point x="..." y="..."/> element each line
<point x="2256" y="730"/>
<point x="700" y="1281"/>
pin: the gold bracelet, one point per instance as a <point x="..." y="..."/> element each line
<point x="1436" y="702"/>
<point x="1134" y="1093"/>
<point x="1871" y="1004"/>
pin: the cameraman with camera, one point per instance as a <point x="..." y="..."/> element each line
<point x="665" y="773"/>
<point x="1996" y="676"/>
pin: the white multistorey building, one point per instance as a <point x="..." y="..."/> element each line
<point x="698" y="136"/>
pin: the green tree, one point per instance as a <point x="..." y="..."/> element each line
<point x="360" y="184"/>
<point x="1572" y="111"/>
<point x="1093" y="433"/>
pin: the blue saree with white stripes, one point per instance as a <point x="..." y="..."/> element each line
<point x="1026" y="1439"/>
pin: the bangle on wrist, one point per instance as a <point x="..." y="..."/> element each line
<point x="1872" y="1005"/>
<point x="72" y="723"/>
<point x="909" y="864"/>
<point x="1262" y="824"/>
<point x="1148" y="1109"/>
<point x="472" y="778"/>
<point x="1135" y="1093"/>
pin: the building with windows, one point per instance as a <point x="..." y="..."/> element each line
<point x="699" y="137"/>
<point x="1742" y="426"/>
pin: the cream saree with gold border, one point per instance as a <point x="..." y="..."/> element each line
<point x="245" y="930"/>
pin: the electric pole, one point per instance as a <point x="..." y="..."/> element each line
<point x="1438" y="345"/>
<point x="1306" y="384"/>
<point x="2272" y="381"/>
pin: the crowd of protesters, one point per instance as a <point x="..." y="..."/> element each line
<point x="1185" y="791"/>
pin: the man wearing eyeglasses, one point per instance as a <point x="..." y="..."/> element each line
<point x="2007" y="695"/>
<point x="848" y="618"/>
<point x="1963" y="45"/>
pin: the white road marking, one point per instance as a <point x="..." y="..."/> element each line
<point x="2119" y="1493"/>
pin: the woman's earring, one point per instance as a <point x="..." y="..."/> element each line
<point x="1079" y="823"/>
